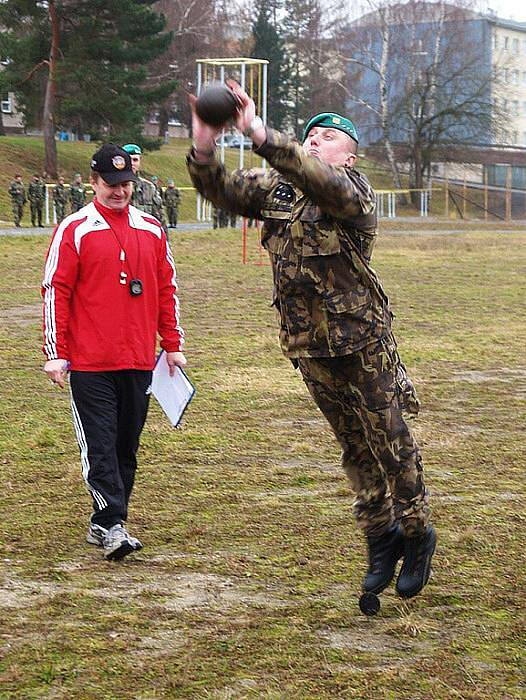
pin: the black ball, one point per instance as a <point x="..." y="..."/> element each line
<point x="216" y="104"/>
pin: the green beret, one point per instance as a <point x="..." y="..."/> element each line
<point x="331" y="121"/>
<point x="154" y="178"/>
<point x="171" y="182"/>
<point x="132" y="149"/>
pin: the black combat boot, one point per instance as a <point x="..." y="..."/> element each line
<point x="416" y="568"/>
<point x="384" y="553"/>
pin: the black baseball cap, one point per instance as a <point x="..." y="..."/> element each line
<point x="113" y="164"/>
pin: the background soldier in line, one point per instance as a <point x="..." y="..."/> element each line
<point x="17" y="192"/>
<point x="60" y="198"/>
<point x="232" y="220"/>
<point x="319" y="228"/>
<point x="172" y="200"/>
<point x="145" y="191"/>
<point x="157" y="203"/>
<point x="37" y="195"/>
<point x="77" y="193"/>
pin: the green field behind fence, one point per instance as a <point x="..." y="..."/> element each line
<point x="249" y="580"/>
<point x="25" y="154"/>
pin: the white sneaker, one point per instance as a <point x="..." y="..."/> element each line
<point x="117" y="543"/>
<point x="97" y="533"/>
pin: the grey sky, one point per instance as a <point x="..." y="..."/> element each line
<point x="508" y="9"/>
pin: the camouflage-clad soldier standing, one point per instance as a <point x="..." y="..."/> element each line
<point x="157" y="203"/>
<point x="172" y="200"/>
<point x="60" y="198"/>
<point x="77" y="194"/>
<point x="37" y="196"/>
<point x="17" y="191"/>
<point x="319" y="228"/>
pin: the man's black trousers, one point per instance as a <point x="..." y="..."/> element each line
<point x="109" y="410"/>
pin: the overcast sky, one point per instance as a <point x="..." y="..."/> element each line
<point x="508" y="9"/>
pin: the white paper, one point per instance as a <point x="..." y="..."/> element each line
<point x="173" y="393"/>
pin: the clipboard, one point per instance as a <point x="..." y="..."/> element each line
<point x="172" y="393"/>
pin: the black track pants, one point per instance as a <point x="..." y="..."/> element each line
<point x="109" y="410"/>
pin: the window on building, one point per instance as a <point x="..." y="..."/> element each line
<point x="515" y="45"/>
<point x="506" y="75"/>
<point x="154" y="117"/>
<point x="505" y="105"/>
<point x="524" y="138"/>
<point x="514" y="137"/>
<point x="495" y="41"/>
<point x="506" y="43"/>
<point x="515" y="108"/>
<point x="7" y="104"/>
<point x="524" y="108"/>
<point x="515" y="77"/>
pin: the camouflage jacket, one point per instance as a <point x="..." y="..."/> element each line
<point x="60" y="194"/>
<point x="172" y="197"/>
<point x="77" y="193"/>
<point x="145" y="195"/>
<point x="36" y="192"/>
<point x="17" y="192"/>
<point x="319" y="227"/>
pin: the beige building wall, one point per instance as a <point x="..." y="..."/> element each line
<point x="509" y="59"/>
<point x="12" y="119"/>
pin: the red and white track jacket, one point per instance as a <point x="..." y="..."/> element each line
<point x="90" y="318"/>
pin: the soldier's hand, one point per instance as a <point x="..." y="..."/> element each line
<point x="175" y="359"/>
<point x="56" y="370"/>
<point x="247" y="109"/>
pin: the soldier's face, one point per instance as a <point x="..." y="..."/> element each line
<point x="331" y="146"/>
<point x="136" y="162"/>
<point x="112" y="196"/>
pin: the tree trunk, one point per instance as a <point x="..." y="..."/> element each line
<point x="48" y="119"/>
<point x="2" y="129"/>
<point x="164" y="115"/>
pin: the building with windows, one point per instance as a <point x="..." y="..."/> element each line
<point x="508" y="55"/>
<point x="419" y="32"/>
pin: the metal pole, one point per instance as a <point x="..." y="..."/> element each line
<point x="47" y="205"/>
<point x="222" y="142"/>
<point x="198" y="91"/>
<point x="242" y="140"/>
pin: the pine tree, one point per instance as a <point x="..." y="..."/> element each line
<point x="269" y="45"/>
<point x="82" y="64"/>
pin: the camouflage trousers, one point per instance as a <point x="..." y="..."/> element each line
<point x="36" y="213"/>
<point x="18" y="212"/>
<point x="172" y="216"/>
<point x="362" y="397"/>
<point x="60" y="211"/>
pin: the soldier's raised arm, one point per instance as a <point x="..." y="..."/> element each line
<point x="242" y="192"/>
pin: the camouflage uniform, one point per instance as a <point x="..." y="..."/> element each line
<point x="144" y="195"/>
<point x="319" y="227"/>
<point x="60" y="198"/>
<point x="157" y="205"/>
<point x="172" y="200"/>
<point x="18" y="199"/>
<point x="37" y="195"/>
<point x="77" y="196"/>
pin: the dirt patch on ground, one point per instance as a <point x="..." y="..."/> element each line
<point x="507" y="375"/>
<point x="177" y="592"/>
<point x="23" y="315"/>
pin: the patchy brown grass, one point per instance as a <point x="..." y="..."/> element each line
<point x="248" y="583"/>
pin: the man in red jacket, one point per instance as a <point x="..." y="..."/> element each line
<point x="109" y="287"/>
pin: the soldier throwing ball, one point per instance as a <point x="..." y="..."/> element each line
<point x="319" y="227"/>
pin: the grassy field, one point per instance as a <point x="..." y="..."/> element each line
<point x="249" y="580"/>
